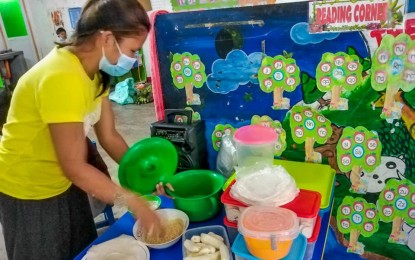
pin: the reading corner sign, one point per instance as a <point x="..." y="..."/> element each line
<point x="353" y="15"/>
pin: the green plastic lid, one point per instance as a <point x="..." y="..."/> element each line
<point x="146" y="163"/>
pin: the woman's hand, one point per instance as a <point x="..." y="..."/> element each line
<point x="160" y="191"/>
<point x="150" y="222"/>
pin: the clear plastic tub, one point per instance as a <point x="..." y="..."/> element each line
<point x="311" y="242"/>
<point x="232" y="229"/>
<point x="218" y="230"/>
<point x="268" y="231"/>
<point x="306" y="205"/>
<point x="255" y="144"/>
<point x="233" y="207"/>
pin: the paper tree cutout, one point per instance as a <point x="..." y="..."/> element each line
<point x="396" y="204"/>
<point x="276" y="75"/>
<point x="217" y="134"/>
<point x="336" y="72"/>
<point x="393" y="69"/>
<point x="188" y="70"/>
<point x="267" y="121"/>
<point x="309" y="126"/>
<point x="356" y="216"/>
<point x="358" y="149"/>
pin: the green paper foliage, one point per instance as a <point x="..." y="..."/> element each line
<point x="267" y="121"/>
<point x="358" y="147"/>
<point x="306" y="122"/>
<point x="219" y="131"/>
<point x="278" y="72"/>
<point x="357" y="214"/>
<point x="339" y="69"/>
<point x="187" y="69"/>
<point x="397" y="199"/>
<point x="393" y="63"/>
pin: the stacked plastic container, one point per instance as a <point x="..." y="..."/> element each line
<point x="306" y="207"/>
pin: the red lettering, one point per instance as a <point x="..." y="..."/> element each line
<point x="356" y="13"/>
<point x="334" y="15"/>
<point x="318" y="16"/>
<point x="361" y="13"/>
<point x="349" y="14"/>
<point x="382" y="13"/>
<point x="367" y="13"/>
<point x="378" y="34"/>
<point x="323" y="16"/>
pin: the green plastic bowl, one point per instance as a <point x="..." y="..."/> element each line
<point x="197" y="193"/>
<point x="146" y="163"/>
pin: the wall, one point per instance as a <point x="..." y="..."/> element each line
<point x="43" y="28"/>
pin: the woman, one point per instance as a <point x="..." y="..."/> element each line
<point x="44" y="174"/>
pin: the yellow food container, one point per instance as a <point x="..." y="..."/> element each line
<point x="268" y="231"/>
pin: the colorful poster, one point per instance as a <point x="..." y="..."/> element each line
<point x="348" y="15"/>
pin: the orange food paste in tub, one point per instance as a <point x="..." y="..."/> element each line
<point x="268" y="231"/>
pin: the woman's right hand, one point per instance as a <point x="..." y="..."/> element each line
<point x="150" y="222"/>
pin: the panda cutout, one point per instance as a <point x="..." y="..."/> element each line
<point x="410" y="230"/>
<point x="389" y="168"/>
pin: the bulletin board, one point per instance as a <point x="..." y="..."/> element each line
<point x="13" y="20"/>
<point x="217" y="63"/>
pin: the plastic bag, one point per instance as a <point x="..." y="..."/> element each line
<point x="264" y="185"/>
<point x="226" y="160"/>
<point x="124" y="92"/>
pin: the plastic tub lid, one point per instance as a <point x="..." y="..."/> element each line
<point x="226" y="198"/>
<point x="269" y="222"/>
<point x="255" y="134"/>
<point x="146" y="163"/>
<point x="316" y="231"/>
<point x="306" y="204"/>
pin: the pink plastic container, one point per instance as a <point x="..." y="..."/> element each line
<point x="255" y="143"/>
<point x="306" y="205"/>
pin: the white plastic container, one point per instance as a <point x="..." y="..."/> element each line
<point x="218" y="230"/>
<point x="232" y="229"/>
<point x="306" y="205"/>
<point x="255" y="144"/>
<point x="268" y="231"/>
<point x="311" y="242"/>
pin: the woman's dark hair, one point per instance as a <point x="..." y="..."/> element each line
<point x="122" y="17"/>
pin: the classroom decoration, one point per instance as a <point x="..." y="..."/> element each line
<point x="352" y="15"/>
<point x="219" y="131"/>
<point x="276" y="75"/>
<point x="356" y="216"/>
<point x="267" y="121"/>
<point x="234" y="100"/>
<point x="309" y="126"/>
<point x="357" y="149"/>
<point x="393" y="69"/>
<point x="237" y="69"/>
<point x="396" y="204"/>
<point x="188" y="71"/>
<point x="336" y="73"/>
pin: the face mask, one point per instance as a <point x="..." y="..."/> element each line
<point x="123" y="66"/>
